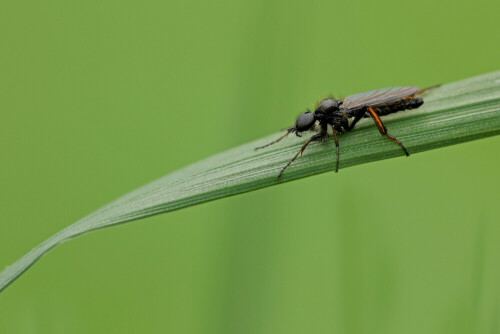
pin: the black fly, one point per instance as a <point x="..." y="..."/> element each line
<point x="342" y="115"/>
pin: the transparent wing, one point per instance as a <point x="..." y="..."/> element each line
<point x="376" y="97"/>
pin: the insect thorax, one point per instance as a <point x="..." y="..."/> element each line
<point x="327" y="105"/>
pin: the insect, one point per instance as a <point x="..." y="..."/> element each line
<point x="343" y="114"/>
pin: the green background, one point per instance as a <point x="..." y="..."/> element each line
<point x="99" y="97"/>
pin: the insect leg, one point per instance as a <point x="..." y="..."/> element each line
<point x="358" y="116"/>
<point x="337" y="147"/>
<point x="423" y="90"/>
<point x="317" y="137"/>
<point x="383" y="130"/>
<point x="277" y="140"/>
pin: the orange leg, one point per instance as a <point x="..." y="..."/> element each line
<point x="423" y="90"/>
<point x="383" y="130"/>
<point x="420" y="92"/>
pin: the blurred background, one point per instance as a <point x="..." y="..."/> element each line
<point x="99" y="97"/>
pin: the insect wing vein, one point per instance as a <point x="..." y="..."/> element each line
<point x="376" y="97"/>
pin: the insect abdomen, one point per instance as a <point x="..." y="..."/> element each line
<point x="399" y="105"/>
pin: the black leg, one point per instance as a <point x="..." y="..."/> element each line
<point x="383" y="130"/>
<point x="358" y="116"/>
<point x="337" y="147"/>
<point x="317" y="137"/>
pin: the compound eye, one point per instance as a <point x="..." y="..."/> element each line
<point x="304" y="121"/>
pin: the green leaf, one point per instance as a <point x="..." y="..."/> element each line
<point x="453" y="113"/>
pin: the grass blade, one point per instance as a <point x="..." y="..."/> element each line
<point x="453" y="113"/>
